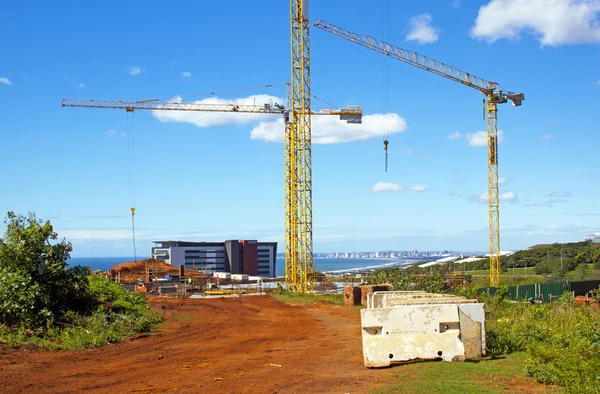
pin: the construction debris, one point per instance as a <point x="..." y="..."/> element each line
<point x="368" y="289"/>
<point x="403" y="326"/>
<point x="352" y="295"/>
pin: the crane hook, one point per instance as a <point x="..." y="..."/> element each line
<point x="385" y="148"/>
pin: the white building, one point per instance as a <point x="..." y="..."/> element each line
<point x="233" y="256"/>
<point x="595" y="238"/>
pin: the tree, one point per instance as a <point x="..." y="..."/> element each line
<point x="586" y="256"/>
<point x="36" y="286"/>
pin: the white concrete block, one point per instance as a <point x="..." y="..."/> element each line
<point x="394" y="331"/>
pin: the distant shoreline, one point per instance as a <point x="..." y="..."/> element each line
<point x="326" y="265"/>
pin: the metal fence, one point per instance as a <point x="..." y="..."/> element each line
<point x="544" y="292"/>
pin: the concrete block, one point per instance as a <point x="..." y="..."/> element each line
<point x="368" y="289"/>
<point x="389" y="299"/>
<point x="352" y="295"/>
<point x="403" y="327"/>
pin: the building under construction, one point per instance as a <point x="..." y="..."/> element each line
<point x="235" y="256"/>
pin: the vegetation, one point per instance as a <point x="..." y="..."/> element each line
<point x="561" y="340"/>
<point x="539" y="264"/>
<point x="400" y="280"/>
<point x="501" y="375"/>
<point x="571" y="261"/>
<point x="44" y="302"/>
<point x="301" y="298"/>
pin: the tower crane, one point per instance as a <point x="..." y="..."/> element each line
<point x="494" y="95"/>
<point x="299" y="261"/>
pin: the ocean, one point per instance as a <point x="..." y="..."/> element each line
<point x="104" y="263"/>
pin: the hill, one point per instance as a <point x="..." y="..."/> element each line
<point x="550" y="262"/>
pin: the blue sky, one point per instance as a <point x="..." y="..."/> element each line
<point x="220" y="176"/>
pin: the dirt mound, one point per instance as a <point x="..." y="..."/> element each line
<point x="140" y="266"/>
<point x="131" y="271"/>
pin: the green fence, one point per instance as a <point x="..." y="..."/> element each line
<point x="544" y="292"/>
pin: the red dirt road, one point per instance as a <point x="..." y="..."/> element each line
<point x="224" y="345"/>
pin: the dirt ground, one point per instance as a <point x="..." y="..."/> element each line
<point x="224" y="345"/>
<point x="252" y="344"/>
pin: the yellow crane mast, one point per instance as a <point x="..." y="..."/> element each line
<point x="494" y="95"/>
<point x="299" y="261"/>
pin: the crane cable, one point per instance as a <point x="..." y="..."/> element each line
<point x="386" y="81"/>
<point x="220" y="92"/>
<point x="131" y="173"/>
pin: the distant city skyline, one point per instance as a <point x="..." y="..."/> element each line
<point x="388" y="254"/>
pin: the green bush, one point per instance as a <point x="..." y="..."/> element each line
<point x="561" y="340"/>
<point x="36" y="285"/>
<point x="403" y="281"/>
<point x="43" y="302"/>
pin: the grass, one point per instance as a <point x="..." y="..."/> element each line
<point x="507" y="280"/>
<point x="500" y="375"/>
<point x="517" y="271"/>
<point x="298" y="298"/>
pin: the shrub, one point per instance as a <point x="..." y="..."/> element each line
<point x="44" y="302"/>
<point x="402" y="281"/>
<point x="561" y="340"/>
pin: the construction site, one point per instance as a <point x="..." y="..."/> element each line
<point x="298" y="188"/>
<point x="230" y="325"/>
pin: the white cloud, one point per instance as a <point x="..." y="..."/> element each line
<point x="454" y="136"/>
<point x="332" y="130"/>
<point x="480" y="138"/>
<point x="211" y="119"/>
<point x="502" y="181"/>
<point x="507" y="196"/>
<point x="455" y="4"/>
<point x="5" y="81"/>
<point x="421" y="29"/>
<point x="186" y="74"/>
<point x="135" y="70"/>
<point x="80" y="85"/>
<point x="547" y="136"/>
<point x="482" y="198"/>
<point x="419" y="187"/>
<point x="394" y="187"/>
<point x="383" y="187"/>
<point x="560" y="194"/>
<point x="597" y="83"/>
<point x="326" y="129"/>
<point x="552" y="22"/>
